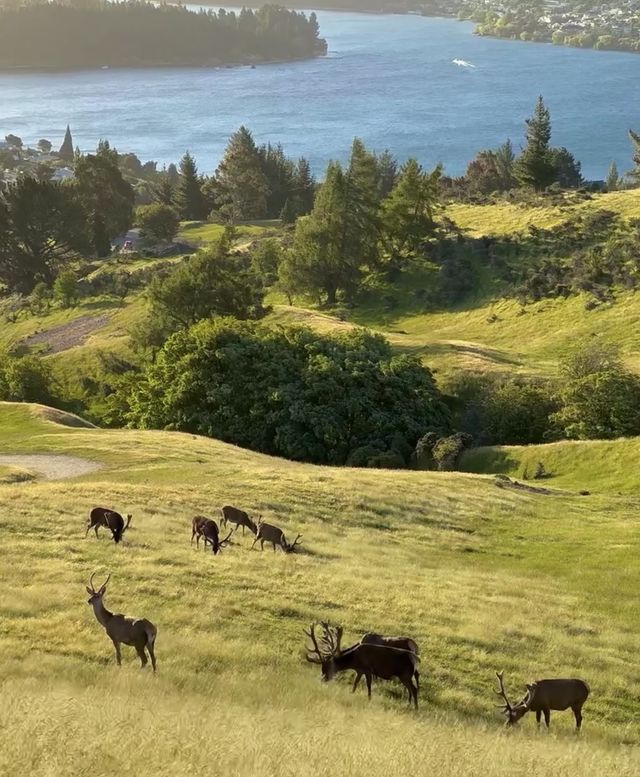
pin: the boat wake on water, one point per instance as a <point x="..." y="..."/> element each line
<point x="463" y="63"/>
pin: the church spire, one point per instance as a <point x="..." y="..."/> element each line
<point x="66" y="149"/>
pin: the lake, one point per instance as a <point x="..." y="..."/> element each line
<point x="388" y="79"/>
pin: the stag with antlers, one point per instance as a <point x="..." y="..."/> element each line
<point x="268" y="533"/>
<point x="101" y="516"/>
<point x="208" y="529"/>
<point x="138" y="632"/>
<point x="374" y="658"/>
<point x="544" y="696"/>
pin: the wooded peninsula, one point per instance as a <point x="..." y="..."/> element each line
<point x="140" y="34"/>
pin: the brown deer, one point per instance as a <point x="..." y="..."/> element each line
<point x="268" y="533"/>
<point x="240" y="518"/>
<point x="544" y="696"/>
<point x="101" y="516"/>
<point x="375" y="658"/>
<point x="400" y="643"/>
<point x="138" y="632"/>
<point x="208" y="529"/>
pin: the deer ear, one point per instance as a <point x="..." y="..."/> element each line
<point x="89" y="591"/>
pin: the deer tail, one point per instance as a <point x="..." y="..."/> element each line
<point x="151" y="633"/>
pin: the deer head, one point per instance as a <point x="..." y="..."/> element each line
<point x="223" y="543"/>
<point x="96" y="596"/>
<point x="118" y="532"/>
<point x="513" y="713"/>
<point x="325" y="649"/>
<point x="290" y="547"/>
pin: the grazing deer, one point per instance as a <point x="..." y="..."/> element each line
<point x="207" y="528"/>
<point x="138" y="632"/>
<point x="400" y="643"/>
<point x="240" y="518"/>
<point x="544" y="696"/>
<point x="375" y="658"/>
<point x="268" y="533"/>
<point x="113" y="521"/>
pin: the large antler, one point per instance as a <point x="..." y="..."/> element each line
<point x="501" y="692"/>
<point x="291" y="547"/>
<point x="314" y="654"/>
<point x="331" y="638"/>
<point x="226" y="541"/>
<point x="102" y="587"/>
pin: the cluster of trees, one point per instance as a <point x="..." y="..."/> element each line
<point x="342" y="399"/>
<point x="45" y="225"/>
<point x="251" y="182"/>
<point x="538" y="166"/>
<point x="370" y="216"/>
<point x="140" y="33"/>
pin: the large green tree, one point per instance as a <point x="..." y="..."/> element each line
<point x="535" y="166"/>
<point x="409" y="212"/>
<point x="104" y="193"/>
<point x="213" y="282"/>
<point x="42" y="225"/>
<point x="189" y="200"/>
<point x="290" y="392"/>
<point x="243" y="188"/>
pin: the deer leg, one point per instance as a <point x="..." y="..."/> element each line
<point x="274" y="546"/>
<point x="577" y="711"/>
<point x="538" y="716"/>
<point x="367" y="678"/>
<point x="193" y="534"/>
<point x="356" y="681"/>
<point x="88" y="530"/>
<point x="261" y="544"/>
<point x="253" y="543"/>
<point x="243" y="527"/>
<point x="141" y="655"/>
<point x="152" y="655"/>
<point x="96" y="527"/>
<point x="547" y="716"/>
<point x="116" y="645"/>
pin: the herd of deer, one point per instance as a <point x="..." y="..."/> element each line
<point x="375" y="655"/>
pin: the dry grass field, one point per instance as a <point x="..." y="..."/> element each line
<point x="482" y="578"/>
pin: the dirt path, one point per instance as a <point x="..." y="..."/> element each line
<point x="60" y="338"/>
<point x="51" y="467"/>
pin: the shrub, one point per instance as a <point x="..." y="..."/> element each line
<point x="65" y="288"/>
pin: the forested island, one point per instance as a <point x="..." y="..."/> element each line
<point x="141" y="34"/>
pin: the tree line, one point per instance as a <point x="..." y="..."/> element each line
<point x="139" y="33"/>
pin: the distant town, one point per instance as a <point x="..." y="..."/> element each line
<point x="607" y="26"/>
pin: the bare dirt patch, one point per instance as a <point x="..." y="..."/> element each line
<point x="69" y="335"/>
<point x="51" y="467"/>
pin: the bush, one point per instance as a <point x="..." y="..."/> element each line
<point x="65" y="288"/>
<point x="158" y="223"/>
<point x="24" y="379"/>
<point x="289" y="392"/>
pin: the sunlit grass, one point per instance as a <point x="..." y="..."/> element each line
<point x="482" y="578"/>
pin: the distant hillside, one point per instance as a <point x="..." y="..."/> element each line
<point x="141" y="34"/>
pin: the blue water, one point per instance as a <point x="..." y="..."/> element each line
<point x="387" y="79"/>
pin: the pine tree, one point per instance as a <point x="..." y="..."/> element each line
<point x="241" y="181"/>
<point x="362" y="204"/>
<point x="505" y="159"/>
<point x="66" y="149"/>
<point x="304" y="187"/>
<point x="387" y="173"/>
<point x="163" y="191"/>
<point x="279" y="172"/>
<point x="189" y="200"/>
<point x="535" y="166"/>
<point x="613" y="178"/>
<point x="409" y="212"/>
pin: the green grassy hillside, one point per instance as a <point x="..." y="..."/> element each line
<point x="482" y="578"/>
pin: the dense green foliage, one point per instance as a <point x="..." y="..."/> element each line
<point x="139" y="33"/>
<point x="24" y="379"/>
<point x="158" y="223"/>
<point x="336" y="400"/>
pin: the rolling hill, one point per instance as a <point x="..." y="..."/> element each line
<point x="483" y="578"/>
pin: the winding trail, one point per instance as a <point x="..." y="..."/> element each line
<point x="51" y="467"/>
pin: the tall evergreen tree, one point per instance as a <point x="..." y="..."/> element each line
<point x="189" y="200"/>
<point x="362" y="204"/>
<point x="535" y="166"/>
<point x="409" y="212"/>
<point x="66" y="149"/>
<point x="279" y="172"/>
<point x="613" y="177"/>
<point x="163" y="191"/>
<point x="242" y="184"/>
<point x="387" y="173"/>
<point x="505" y="159"/>
<point x="304" y="187"/>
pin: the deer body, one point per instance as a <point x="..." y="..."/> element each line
<point x="239" y="518"/>
<point x="377" y="657"/>
<point x="137" y="632"/>
<point x="101" y="516"/>
<point x="208" y="528"/>
<point x="268" y="533"/>
<point x="405" y="644"/>
<point x="546" y="695"/>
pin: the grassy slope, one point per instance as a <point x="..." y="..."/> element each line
<point x="482" y="578"/>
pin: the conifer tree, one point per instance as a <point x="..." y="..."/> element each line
<point x="535" y="165"/>
<point x="304" y="187"/>
<point x="163" y="191"/>
<point x="613" y="178"/>
<point x="240" y="178"/>
<point x="387" y="173"/>
<point x="279" y="172"/>
<point x="362" y="204"/>
<point x="189" y="200"/>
